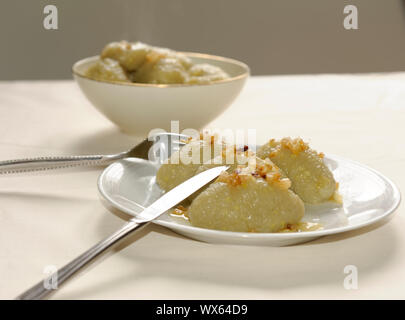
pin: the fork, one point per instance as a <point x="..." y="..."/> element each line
<point x="141" y="150"/>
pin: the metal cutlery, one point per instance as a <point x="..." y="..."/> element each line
<point x="141" y="150"/>
<point x="164" y="203"/>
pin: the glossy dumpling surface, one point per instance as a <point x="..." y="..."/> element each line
<point x="311" y="179"/>
<point x="252" y="199"/>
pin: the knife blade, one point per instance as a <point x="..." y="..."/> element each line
<point x="43" y="288"/>
<point x="179" y="193"/>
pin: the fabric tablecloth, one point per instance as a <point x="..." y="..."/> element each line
<point x="47" y="219"/>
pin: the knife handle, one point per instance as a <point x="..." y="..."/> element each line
<point x="47" y="163"/>
<point x="42" y="288"/>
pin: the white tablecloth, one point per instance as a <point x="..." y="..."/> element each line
<point x="48" y="219"/>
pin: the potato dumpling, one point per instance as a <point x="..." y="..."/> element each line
<point x="164" y="71"/>
<point x="130" y="55"/>
<point x="107" y="69"/>
<point x="205" y="73"/>
<point x="255" y="198"/>
<point x="147" y="64"/>
<point x="230" y="156"/>
<point x="183" y="164"/>
<point x="310" y="177"/>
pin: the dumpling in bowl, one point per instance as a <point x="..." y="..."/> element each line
<point x="163" y="66"/>
<point x="205" y="73"/>
<point x="107" y="69"/>
<point x="130" y="55"/>
<point x="254" y="198"/>
<point x="310" y="177"/>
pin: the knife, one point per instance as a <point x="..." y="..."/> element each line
<point x="160" y="206"/>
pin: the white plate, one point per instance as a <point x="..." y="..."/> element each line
<point x="368" y="197"/>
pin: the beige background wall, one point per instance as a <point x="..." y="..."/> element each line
<point x="272" y="36"/>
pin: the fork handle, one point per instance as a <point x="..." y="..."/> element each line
<point x="42" y="289"/>
<point x="47" y="163"/>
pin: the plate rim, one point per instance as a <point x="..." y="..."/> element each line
<point x="265" y="235"/>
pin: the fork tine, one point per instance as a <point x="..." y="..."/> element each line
<point x="174" y="140"/>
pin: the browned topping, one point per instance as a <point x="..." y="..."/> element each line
<point x="264" y="169"/>
<point x="294" y="145"/>
<point x="261" y="169"/>
<point x="234" y="179"/>
<point x="275" y="178"/>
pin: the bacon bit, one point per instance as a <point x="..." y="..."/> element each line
<point x="245" y="147"/>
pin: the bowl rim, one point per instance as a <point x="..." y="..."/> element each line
<point x="245" y="74"/>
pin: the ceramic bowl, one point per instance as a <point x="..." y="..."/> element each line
<point x="138" y="108"/>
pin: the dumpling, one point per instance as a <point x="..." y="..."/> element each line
<point x="205" y="73"/>
<point x="311" y="179"/>
<point x="130" y="55"/>
<point x="183" y="164"/>
<point x="107" y="69"/>
<point x="255" y="198"/>
<point x="143" y="63"/>
<point x="162" y="67"/>
<point x="230" y="156"/>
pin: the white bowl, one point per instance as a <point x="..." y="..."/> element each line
<point x="138" y="108"/>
